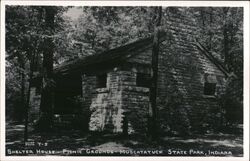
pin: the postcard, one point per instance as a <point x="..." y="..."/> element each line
<point x="124" y="80"/>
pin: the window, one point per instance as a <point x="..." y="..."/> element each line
<point x="209" y="88"/>
<point x="210" y="84"/>
<point x="101" y="81"/>
<point x="143" y="80"/>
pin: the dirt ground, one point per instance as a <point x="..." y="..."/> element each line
<point x="77" y="143"/>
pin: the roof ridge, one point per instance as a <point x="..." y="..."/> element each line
<point x="210" y="56"/>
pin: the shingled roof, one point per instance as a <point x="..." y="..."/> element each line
<point x="111" y="56"/>
<point x="118" y="55"/>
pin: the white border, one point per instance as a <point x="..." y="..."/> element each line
<point x="244" y="4"/>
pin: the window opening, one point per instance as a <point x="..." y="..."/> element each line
<point x="209" y="88"/>
<point x="143" y="80"/>
<point x="101" y="81"/>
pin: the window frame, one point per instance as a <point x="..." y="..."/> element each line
<point x="101" y="80"/>
<point x="143" y="80"/>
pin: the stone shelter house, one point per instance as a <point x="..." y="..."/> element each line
<point x="114" y="85"/>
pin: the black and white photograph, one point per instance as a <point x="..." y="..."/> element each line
<point x="93" y="80"/>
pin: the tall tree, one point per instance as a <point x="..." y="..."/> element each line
<point x="47" y="72"/>
<point x="30" y="34"/>
<point x="225" y="34"/>
<point x="155" y="56"/>
<point x="221" y="32"/>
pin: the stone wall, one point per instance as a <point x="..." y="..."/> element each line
<point x="121" y="105"/>
<point x="88" y="90"/>
<point x="106" y="107"/>
<point x="144" y="58"/>
<point x="182" y="69"/>
<point x="135" y="102"/>
<point x="182" y="105"/>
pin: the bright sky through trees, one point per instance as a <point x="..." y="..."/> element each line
<point x="73" y="13"/>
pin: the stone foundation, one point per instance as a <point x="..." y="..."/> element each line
<point x="106" y="107"/>
<point x="121" y="106"/>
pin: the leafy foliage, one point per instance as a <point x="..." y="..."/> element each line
<point x="102" y="28"/>
<point x="25" y="36"/>
<point x="221" y="29"/>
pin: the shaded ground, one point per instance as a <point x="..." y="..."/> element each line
<point x="77" y="143"/>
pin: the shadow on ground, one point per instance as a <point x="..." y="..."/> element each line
<point x="78" y="143"/>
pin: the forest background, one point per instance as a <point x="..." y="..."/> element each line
<point x="38" y="38"/>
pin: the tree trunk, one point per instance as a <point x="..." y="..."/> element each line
<point x="153" y="90"/>
<point x="24" y="105"/>
<point x="22" y="110"/>
<point x="226" y="49"/>
<point x="225" y="40"/>
<point x="27" y="103"/>
<point x="47" y="102"/>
